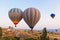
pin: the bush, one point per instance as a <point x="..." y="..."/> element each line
<point x="47" y="38"/>
<point x="55" y="38"/>
<point x="17" y="38"/>
<point x="6" y="38"/>
<point x="14" y="39"/>
<point x="30" y="39"/>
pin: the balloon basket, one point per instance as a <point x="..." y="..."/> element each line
<point x="15" y="25"/>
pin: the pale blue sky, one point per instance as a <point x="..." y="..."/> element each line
<point x="46" y="7"/>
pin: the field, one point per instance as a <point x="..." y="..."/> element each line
<point x="23" y="34"/>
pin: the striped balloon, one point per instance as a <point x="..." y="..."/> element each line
<point x="31" y="16"/>
<point x="15" y="15"/>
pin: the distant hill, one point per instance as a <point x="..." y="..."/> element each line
<point x="54" y="30"/>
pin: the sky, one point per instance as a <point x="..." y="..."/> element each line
<point x="46" y="7"/>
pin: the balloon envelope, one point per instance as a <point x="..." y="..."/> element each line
<point x="52" y="15"/>
<point x="31" y="16"/>
<point x="15" y="15"/>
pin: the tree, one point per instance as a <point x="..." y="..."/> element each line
<point x="44" y="34"/>
<point x="0" y="32"/>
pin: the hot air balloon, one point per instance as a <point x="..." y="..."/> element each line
<point x="52" y="15"/>
<point x="31" y="17"/>
<point x="15" y="15"/>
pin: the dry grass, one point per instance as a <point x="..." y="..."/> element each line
<point x="23" y="34"/>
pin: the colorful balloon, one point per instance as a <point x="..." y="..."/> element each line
<point x="15" y="15"/>
<point x="52" y="15"/>
<point x="31" y="16"/>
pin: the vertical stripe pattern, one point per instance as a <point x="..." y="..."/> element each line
<point x="31" y="16"/>
<point x="15" y="15"/>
